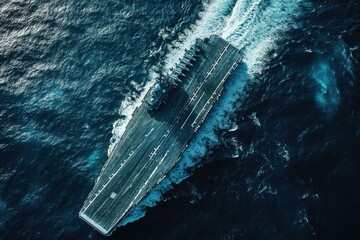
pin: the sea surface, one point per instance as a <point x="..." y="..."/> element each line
<point x="278" y="157"/>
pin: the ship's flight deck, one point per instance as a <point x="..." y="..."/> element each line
<point x="154" y="140"/>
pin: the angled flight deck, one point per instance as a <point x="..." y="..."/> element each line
<point x="154" y="141"/>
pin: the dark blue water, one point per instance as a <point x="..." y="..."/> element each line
<point x="277" y="159"/>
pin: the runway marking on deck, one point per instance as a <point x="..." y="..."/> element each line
<point x="147" y="180"/>
<point x="112" y="155"/>
<point x="221" y="84"/>
<point x="152" y="153"/>
<point x="140" y="171"/>
<point x="100" y="207"/>
<point x="117" y="171"/>
<point x="149" y="132"/>
<point x="192" y="111"/>
<point x="207" y="76"/>
<point x="134" y="200"/>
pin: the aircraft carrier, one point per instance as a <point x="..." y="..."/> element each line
<point x="159" y="131"/>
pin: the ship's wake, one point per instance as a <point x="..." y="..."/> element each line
<point x="252" y="26"/>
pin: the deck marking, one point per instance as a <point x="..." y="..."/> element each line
<point x="192" y="111"/>
<point x="116" y="172"/>
<point x="147" y="180"/>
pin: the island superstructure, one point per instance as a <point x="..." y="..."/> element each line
<point x="159" y="131"/>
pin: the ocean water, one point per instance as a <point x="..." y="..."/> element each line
<point x="278" y="157"/>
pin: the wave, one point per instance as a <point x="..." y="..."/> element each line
<point x="252" y="26"/>
<point x="259" y="28"/>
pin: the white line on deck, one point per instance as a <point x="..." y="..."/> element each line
<point x="192" y="111"/>
<point x="208" y="75"/>
<point x="116" y="172"/>
<point x="147" y="180"/>
<point x="215" y="91"/>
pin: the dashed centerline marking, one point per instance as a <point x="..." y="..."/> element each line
<point x="192" y="111"/>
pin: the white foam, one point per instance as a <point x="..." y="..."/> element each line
<point x="255" y="119"/>
<point x="257" y="33"/>
<point x="254" y="29"/>
<point x="212" y="21"/>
